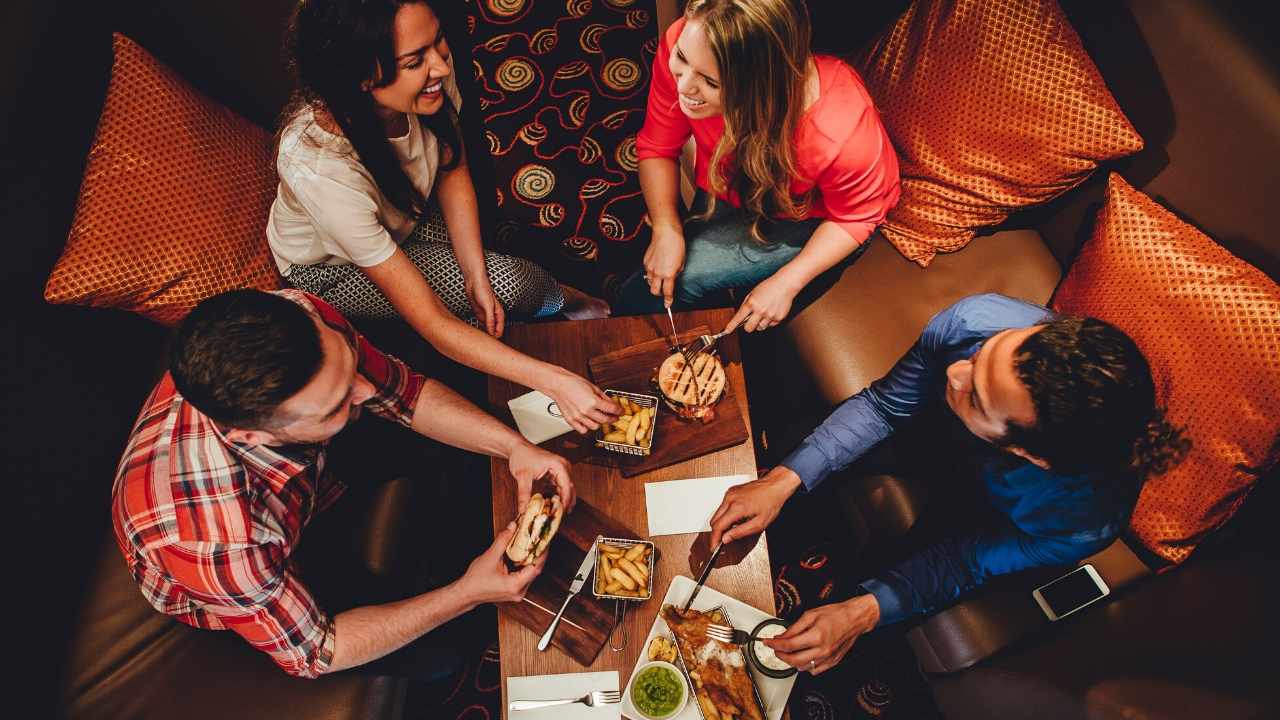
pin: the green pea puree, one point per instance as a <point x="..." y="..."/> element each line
<point x="657" y="691"/>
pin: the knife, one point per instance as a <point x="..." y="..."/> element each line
<point x="675" y="336"/>
<point x="578" y="581"/>
<point x="702" y="576"/>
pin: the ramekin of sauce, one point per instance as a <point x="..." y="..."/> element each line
<point x="658" y="690"/>
<point x="762" y="656"/>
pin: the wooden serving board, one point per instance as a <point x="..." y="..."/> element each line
<point x="675" y="440"/>
<point x="586" y="624"/>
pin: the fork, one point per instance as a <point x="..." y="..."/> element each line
<point x="591" y="699"/>
<point x="726" y="634"/>
<point x="706" y="343"/>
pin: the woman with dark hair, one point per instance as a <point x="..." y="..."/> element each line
<point x="367" y="151"/>
<point x="794" y="169"/>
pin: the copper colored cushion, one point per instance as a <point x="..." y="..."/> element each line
<point x="1209" y="323"/>
<point x="992" y="105"/>
<point x="174" y="199"/>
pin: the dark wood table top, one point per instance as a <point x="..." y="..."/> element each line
<point x="571" y="345"/>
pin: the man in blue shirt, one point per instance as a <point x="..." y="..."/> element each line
<point x="1067" y="411"/>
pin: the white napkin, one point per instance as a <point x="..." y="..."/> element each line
<point x="685" y="506"/>
<point x="537" y="417"/>
<point x="569" y="685"/>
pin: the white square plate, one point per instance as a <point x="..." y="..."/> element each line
<point x="773" y="691"/>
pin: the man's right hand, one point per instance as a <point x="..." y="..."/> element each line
<point x="583" y="405"/>
<point x="750" y="508"/>
<point x="663" y="261"/>
<point x="487" y="579"/>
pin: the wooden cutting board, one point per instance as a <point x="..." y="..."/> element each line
<point x="586" y="624"/>
<point x="675" y="440"/>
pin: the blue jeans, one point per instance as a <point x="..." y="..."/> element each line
<point x="720" y="254"/>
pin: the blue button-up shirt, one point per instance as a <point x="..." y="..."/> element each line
<point x="1053" y="519"/>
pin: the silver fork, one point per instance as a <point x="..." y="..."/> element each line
<point x="726" y="634"/>
<point x="591" y="699"/>
<point x="705" y="343"/>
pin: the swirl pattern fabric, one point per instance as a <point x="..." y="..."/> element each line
<point x="993" y="106"/>
<point x="1209" y="323"/>
<point x="174" y="199"/>
<point x="562" y="88"/>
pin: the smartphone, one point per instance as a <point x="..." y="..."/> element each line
<point x="1071" y="592"/>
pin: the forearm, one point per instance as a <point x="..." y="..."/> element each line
<point x="364" y="634"/>
<point x="457" y="198"/>
<point x="418" y="304"/>
<point x="828" y="245"/>
<point x="444" y="415"/>
<point x="660" y="183"/>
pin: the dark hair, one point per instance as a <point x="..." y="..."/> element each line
<point x="334" y="47"/>
<point x="1095" y="401"/>
<point x="237" y="356"/>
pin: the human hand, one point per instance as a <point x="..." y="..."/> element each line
<point x="752" y="506"/>
<point x="529" y="462"/>
<point x="663" y="262"/>
<point x="486" y="306"/>
<point x="766" y="305"/>
<point x="487" y="579"/>
<point x="583" y="405"/>
<point x="820" y="639"/>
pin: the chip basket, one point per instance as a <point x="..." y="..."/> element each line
<point x="684" y="667"/>
<point x="644" y="401"/>
<point x="619" y="606"/>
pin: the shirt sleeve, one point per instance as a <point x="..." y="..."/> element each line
<point x="940" y="574"/>
<point x="665" y="127"/>
<point x="865" y="419"/>
<point x="251" y="591"/>
<point x="346" y="212"/>
<point x="395" y="386"/>
<point x="862" y="185"/>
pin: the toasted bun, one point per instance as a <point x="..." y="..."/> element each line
<point x="520" y="548"/>
<point x="555" y="514"/>
<point x="680" y="391"/>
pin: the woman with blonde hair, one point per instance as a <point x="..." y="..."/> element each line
<point x="793" y="167"/>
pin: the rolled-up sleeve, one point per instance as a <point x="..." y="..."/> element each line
<point x="862" y="185"/>
<point x="250" y="590"/>
<point x="665" y="127"/>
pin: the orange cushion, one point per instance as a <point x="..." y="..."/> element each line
<point x="992" y="105"/>
<point x="1209" y="323"/>
<point x="174" y="200"/>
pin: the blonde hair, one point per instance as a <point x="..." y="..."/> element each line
<point x="762" y="48"/>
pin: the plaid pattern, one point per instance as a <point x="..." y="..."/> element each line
<point x="207" y="526"/>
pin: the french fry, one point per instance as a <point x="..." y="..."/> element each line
<point x="617" y="436"/>
<point x="636" y="552"/>
<point x="642" y="420"/>
<point x="634" y="572"/>
<point x="612" y="550"/>
<point x="622" y="577"/>
<point x="603" y="567"/>
<point x="632" y="428"/>
<point x="612" y="588"/>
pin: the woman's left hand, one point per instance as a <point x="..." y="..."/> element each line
<point x="820" y="639"/>
<point x="486" y="306"/>
<point x="766" y="305"/>
<point x="529" y="463"/>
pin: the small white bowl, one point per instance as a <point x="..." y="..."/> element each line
<point x="684" y="686"/>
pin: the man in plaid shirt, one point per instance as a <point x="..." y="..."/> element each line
<point x="225" y="467"/>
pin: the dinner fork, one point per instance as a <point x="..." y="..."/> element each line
<point x="727" y="634"/>
<point x="704" y="343"/>
<point x="591" y="699"/>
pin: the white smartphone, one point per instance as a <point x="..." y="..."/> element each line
<point x="1077" y="589"/>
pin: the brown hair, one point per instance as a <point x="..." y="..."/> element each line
<point x="762" y="48"/>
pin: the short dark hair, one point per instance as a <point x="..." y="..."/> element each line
<point x="238" y="355"/>
<point x="1094" y="399"/>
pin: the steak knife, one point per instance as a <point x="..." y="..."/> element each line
<point x="579" y="580"/>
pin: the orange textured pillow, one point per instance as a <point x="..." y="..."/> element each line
<point x="174" y="200"/>
<point x="992" y="105"/>
<point x="1209" y="323"/>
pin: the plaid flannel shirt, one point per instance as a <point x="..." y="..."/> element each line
<point x="207" y="526"/>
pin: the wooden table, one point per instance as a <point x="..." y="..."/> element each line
<point x="571" y="345"/>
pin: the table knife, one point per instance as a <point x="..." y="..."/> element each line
<point x="675" y="336"/>
<point x="702" y="576"/>
<point x="579" y="580"/>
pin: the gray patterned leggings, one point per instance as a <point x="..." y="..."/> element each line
<point x="524" y="288"/>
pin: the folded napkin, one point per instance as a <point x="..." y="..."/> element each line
<point x="686" y="506"/>
<point x="537" y="417"/>
<point x="569" y="685"/>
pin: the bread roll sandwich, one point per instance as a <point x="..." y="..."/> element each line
<point x="691" y="392"/>
<point x="535" y="527"/>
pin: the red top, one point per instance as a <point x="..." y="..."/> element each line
<point x="207" y="526"/>
<point x="840" y="145"/>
